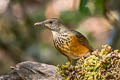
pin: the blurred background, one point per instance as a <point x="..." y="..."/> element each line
<point x="21" y="41"/>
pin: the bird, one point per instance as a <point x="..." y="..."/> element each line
<point x="70" y="43"/>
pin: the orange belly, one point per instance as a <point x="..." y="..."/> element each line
<point x="74" y="49"/>
<point x="77" y="49"/>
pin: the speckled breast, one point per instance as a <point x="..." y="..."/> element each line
<point x="69" y="45"/>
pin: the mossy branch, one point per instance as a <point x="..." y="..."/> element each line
<point x="100" y="65"/>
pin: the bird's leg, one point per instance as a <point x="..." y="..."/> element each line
<point x="69" y="60"/>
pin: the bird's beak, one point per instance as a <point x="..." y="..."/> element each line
<point x="39" y="24"/>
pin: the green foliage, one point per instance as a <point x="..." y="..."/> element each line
<point x="99" y="6"/>
<point x="100" y="65"/>
<point x="87" y="8"/>
<point x="71" y="16"/>
<point x="91" y="7"/>
<point x="83" y="8"/>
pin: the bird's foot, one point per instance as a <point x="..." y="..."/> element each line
<point x="68" y="63"/>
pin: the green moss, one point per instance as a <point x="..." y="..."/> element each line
<point x="100" y="65"/>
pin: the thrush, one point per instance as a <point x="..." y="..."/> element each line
<point x="70" y="43"/>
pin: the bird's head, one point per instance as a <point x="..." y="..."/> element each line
<point x="52" y="24"/>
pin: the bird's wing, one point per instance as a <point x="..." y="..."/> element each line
<point x="82" y="39"/>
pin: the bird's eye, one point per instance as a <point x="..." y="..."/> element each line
<point x="51" y="22"/>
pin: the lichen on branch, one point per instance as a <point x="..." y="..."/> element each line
<point x="102" y="64"/>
